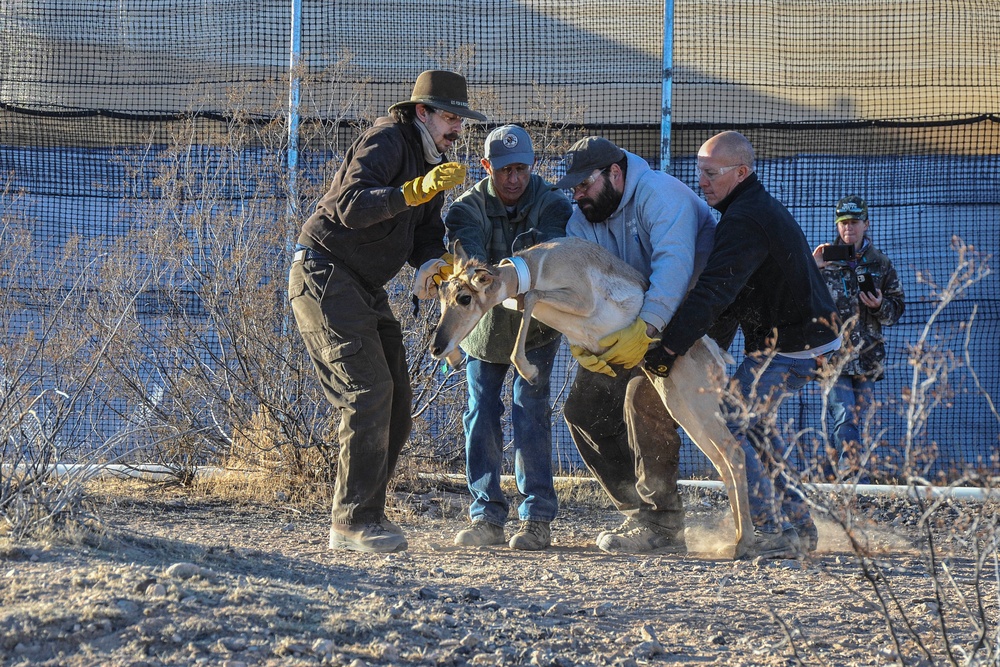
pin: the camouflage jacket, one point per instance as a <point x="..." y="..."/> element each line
<point x="863" y="337"/>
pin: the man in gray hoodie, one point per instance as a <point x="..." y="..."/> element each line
<point x="617" y="420"/>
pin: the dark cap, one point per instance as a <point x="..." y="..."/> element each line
<point x="443" y="90"/>
<point x="585" y="156"/>
<point x="851" y="207"/>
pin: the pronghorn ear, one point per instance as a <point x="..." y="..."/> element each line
<point x="459" y="252"/>
<point x="481" y="278"/>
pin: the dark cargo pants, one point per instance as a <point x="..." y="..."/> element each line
<point x="629" y="442"/>
<point x="356" y="345"/>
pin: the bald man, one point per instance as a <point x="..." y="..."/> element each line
<point x="761" y="276"/>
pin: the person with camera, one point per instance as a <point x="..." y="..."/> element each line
<point x="866" y="290"/>
<point x="761" y="277"/>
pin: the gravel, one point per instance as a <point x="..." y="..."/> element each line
<point x="182" y="580"/>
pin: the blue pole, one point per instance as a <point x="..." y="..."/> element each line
<point x="292" y="208"/>
<point x="668" y="82"/>
<point x="295" y="55"/>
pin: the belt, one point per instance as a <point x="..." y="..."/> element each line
<point x="310" y="254"/>
<point x="313" y="255"/>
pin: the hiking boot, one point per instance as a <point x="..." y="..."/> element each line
<point x="390" y="526"/>
<point x="532" y="536"/>
<point x="627" y="525"/>
<point x="783" y="544"/>
<point x="370" y="537"/>
<point x="480" y="534"/>
<point x="636" y="537"/>
<point x="808" y="536"/>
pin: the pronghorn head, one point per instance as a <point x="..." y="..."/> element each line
<point x="474" y="288"/>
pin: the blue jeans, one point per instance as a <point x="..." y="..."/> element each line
<point x="774" y="504"/>
<point x="531" y="419"/>
<point x="849" y="397"/>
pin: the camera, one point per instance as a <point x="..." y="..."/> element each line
<point x="838" y="253"/>
<point x="866" y="283"/>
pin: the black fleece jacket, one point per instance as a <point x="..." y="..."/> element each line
<point x="761" y="274"/>
<point x="363" y="220"/>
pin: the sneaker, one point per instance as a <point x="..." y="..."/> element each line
<point x="775" y="545"/>
<point x="480" y="534"/>
<point x="370" y="537"/>
<point x="808" y="536"/>
<point x="636" y="537"/>
<point x="532" y="536"/>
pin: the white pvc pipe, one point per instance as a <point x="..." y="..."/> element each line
<point x="157" y="472"/>
<point x="957" y="492"/>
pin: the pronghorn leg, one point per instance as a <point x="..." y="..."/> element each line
<point x="694" y="405"/>
<point x="563" y="300"/>
<point x="525" y="368"/>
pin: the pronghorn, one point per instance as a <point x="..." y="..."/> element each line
<point x="583" y="291"/>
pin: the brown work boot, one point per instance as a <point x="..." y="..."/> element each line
<point x="480" y="534"/>
<point x="371" y="537"/>
<point x="532" y="536"/>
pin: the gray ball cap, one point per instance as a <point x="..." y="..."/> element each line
<point x="584" y="157"/>
<point x="507" y="145"/>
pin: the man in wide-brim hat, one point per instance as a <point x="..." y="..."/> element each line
<point x="383" y="209"/>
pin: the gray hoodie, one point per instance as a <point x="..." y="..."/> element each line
<point x="662" y="228"/>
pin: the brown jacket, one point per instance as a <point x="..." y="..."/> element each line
<point x="363" y="221"/>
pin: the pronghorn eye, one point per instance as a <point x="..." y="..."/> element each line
<point x="464" y="299"/>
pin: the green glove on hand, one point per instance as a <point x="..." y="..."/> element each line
<point x="442" y="177"/>
<point x="591" y="362"/>
<point x="626" y="347"/>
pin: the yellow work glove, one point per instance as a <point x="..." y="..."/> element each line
<point x="591" y="362"/>
<point x="444" y="272"/>
<point x="626" y="347"/>
<point x="442" y="177"/>
<point x="432" y="273"/>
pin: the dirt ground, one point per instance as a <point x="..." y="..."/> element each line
<point x="188" y="579"/>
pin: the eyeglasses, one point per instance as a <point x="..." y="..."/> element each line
<point x="711" y="174"/>
<point x="515" y="169"/>
<point x="447" y="116"/>
<point x="585" y="184"/>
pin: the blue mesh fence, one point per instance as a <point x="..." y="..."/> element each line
<point x="144" y="147"/>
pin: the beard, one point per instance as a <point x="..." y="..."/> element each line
<point x="603" y="205"/>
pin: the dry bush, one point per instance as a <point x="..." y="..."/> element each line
<point x="51" y="356"/>
<point x="956" y="621"/>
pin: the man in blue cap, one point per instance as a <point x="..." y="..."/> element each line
<point x="511" y="209"/>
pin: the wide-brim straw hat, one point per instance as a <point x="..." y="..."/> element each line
<point x="443" y="90"/>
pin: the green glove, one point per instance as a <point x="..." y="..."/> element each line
<point x="442" y="177"/>
<point x="590" y="362"/>
<point x="626" y="347"/>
